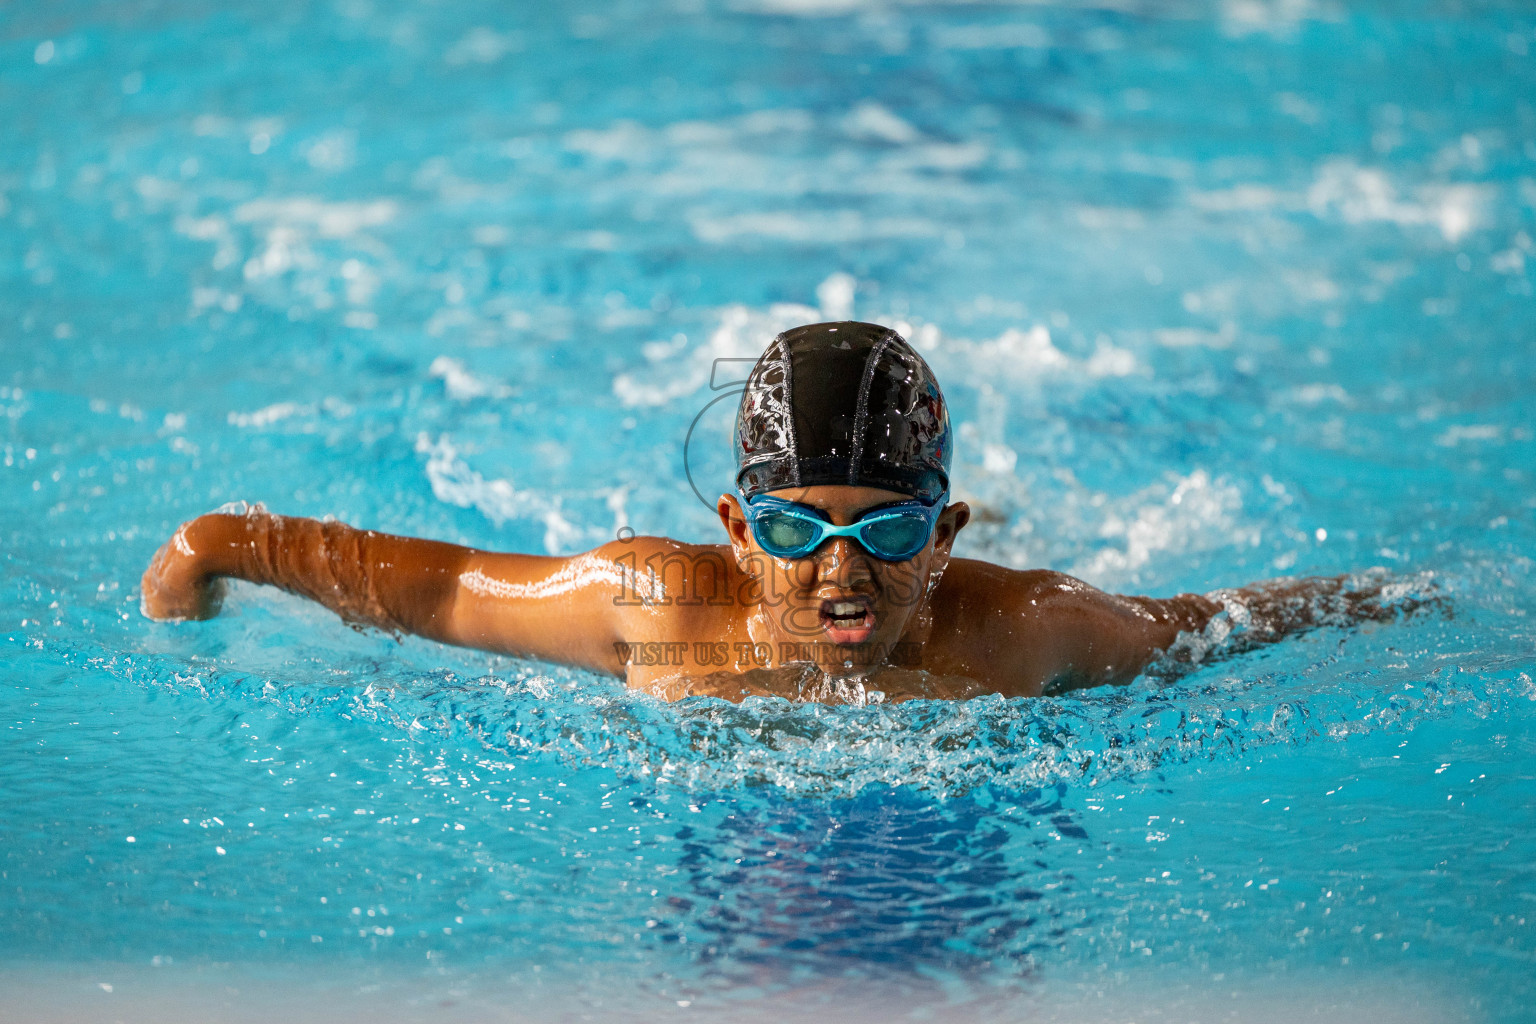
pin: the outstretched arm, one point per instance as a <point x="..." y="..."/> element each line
<point x="561" y="609"/>
<point x="1100" y="638"/>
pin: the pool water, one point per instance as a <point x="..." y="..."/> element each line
<point x="1218" y="292"/>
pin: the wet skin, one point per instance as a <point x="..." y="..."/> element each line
<point x="721" y="620"/>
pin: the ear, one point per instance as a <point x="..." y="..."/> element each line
<point x="951" y="521"/>
<point x="729" y="510"/>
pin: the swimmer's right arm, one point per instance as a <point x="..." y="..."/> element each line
<point x="559" y="609"/>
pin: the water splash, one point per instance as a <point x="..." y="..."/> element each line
<point x="1285" y="695"/>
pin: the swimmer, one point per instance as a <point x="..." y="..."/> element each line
<point x="838" y="580"/>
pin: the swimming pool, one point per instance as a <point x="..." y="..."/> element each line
<point x="1218" y="291"/>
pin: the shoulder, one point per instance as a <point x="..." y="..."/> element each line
<point x="663" y="571"/>
<point x="1018" y="610"/>
<point x="1042" y="629"/>
<point x="1001" y="626"/>
<point x="640" y="551"/>
<point x="979" y="586"/>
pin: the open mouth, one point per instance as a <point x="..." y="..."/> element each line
<point x="848" y="620"/>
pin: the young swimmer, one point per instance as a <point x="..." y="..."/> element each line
<point x="837" y="580"/>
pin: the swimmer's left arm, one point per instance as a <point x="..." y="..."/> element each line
<point x="1087" y="637"/>
<point x="1096" y="638"/>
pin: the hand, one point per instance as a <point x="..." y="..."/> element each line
<point x="1283" y="606"/>
<point x="177" y="585"/>
<point x="1377" y="595"/>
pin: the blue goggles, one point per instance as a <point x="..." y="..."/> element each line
<point x="892" y="533"/>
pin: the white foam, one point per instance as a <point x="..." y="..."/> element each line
<point x="644" y="390"/>
<point x="1316" y="394"/>
<point x="1191" y="337"/>
<point x="1461" y="433"/>
<point x="835" y="296"/>
<point x="214" y="229"/>
<point x="240" y="508"/>
<point x="1344" y="190"/>
<point x="334" y="151"/>
<point x="454" y="481"/>
<point x="676" y="372"/>
<point x="156" y="191"/>
<point x="288" y="229"/>
<point x="1196" y="513"/>
<point x="807" y="8"/>
<point x="216" y="298"/>
<point x="1021" y="355"/>
<point x="622" y="139"/>
<point x="1278" y="18"/>
<point x="1110" y="361"/>
<point x="872" y="121"/>
<point x="462" y="385"/>
<point x="268" y="415"/>
<point x="327" y="219"/>
<point x="1026" y="350"/>
<point x="743" y="155"/>
<point x="830" y="227"/>
<point x="596" y="241"/>
<point x="1239" y="198"/>
<point x="1358" y="195"/>
<point x="482" y="45"/>
<point x="1015" y="35"/>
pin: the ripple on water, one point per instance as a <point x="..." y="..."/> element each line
<point x="1325" y="686"/>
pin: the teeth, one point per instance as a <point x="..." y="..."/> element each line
<point x="846" y="609"/>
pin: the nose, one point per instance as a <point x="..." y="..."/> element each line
<point x="843" y="563"/>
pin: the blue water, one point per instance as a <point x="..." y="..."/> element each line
<point x="1218" y="291"/>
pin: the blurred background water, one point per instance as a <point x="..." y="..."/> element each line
<point x="1218" y="291"/>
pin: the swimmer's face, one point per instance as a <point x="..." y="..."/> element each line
<point x="852" y="606"/>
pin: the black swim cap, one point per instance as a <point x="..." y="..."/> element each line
<point x="843" y="403"/>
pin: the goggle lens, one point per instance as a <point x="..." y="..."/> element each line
<point x="786" y="530"/>
<point x="896" y="539"/>
<point x="785" y="535"/>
